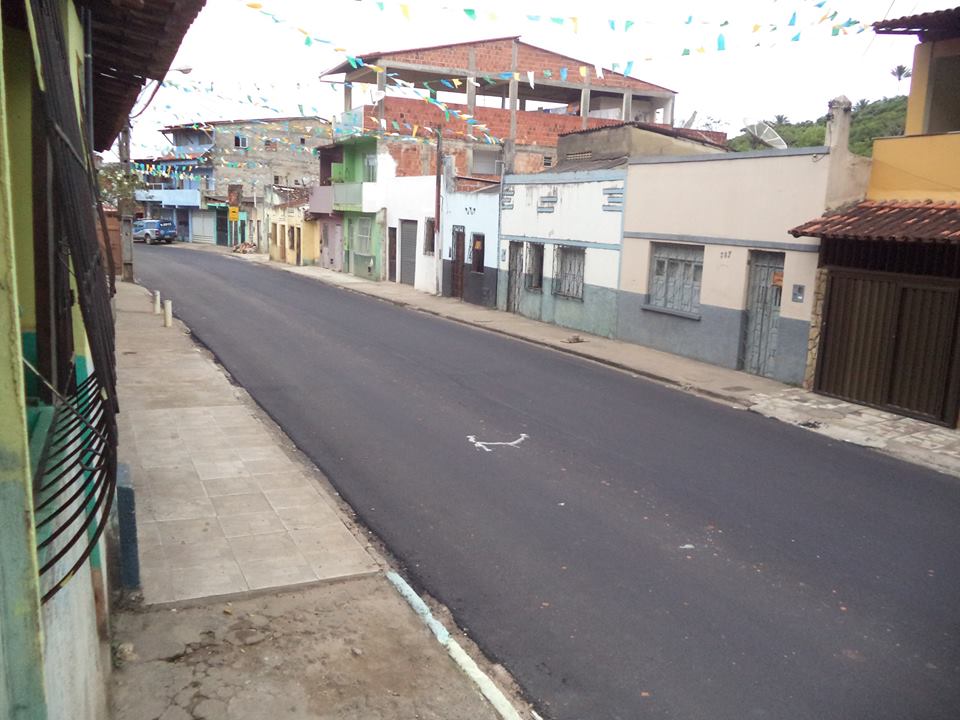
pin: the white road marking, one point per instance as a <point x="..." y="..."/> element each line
<point x="485" y="445"/>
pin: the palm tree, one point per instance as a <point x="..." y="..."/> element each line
<point x="780" y="120"/>
<point x="900" y="72"/>
<point x="861" y="104"/>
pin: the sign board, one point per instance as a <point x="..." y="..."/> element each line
<point x="233" y="214"/>
<point x="234" y="196"/>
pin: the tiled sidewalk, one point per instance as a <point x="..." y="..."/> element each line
<point x="223" y="505"/>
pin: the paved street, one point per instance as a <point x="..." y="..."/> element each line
<point x="635" y="552"/>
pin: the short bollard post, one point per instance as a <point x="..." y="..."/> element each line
<point x="156" y="302"/>
<point x="167" y="313"/>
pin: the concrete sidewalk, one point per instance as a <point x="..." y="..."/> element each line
<point x="260" y="597"/>
<point x="911" y="440"/>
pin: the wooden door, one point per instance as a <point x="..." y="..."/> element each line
<point x="392" y="254"/>
<point x="459" y="259"/>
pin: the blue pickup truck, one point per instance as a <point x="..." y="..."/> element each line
<point x="153" y="231"/>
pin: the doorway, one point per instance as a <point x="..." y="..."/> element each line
<point x="408" y="251"/>
<point x="515" y="277"/>
<point x="459" y="251"/>
<point x="764" y="294"/>
<point x="392" y="254"/>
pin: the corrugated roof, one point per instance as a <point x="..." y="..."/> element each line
<point x="904" y="221"/>
<point x="939" y="25"/>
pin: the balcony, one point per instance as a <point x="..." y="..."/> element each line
<point x="169" y="198"/>
<point x="916" y="167"/>
<point x="348" y="196"/>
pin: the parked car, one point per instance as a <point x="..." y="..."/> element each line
<point x="151" y="231"/>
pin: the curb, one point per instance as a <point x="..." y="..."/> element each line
<point x="487" y="688"/>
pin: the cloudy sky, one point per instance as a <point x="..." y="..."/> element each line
<point x="255" y="62"/>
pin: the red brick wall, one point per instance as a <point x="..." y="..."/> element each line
<point x="533" y="128"/>
<point x="495" y="56"/>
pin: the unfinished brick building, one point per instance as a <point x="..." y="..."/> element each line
<point x="507" y="70"/>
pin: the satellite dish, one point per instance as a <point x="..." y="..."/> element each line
<point x="765" y="134"/>
<point x="690" y="120"/>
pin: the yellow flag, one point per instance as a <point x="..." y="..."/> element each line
<point x="415" y="128"/>
<point x="583" y="71"/>
<point x="405" y="9"/>
<point x="255" y="6"/>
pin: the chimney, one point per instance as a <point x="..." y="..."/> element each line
<point x="838" y="123"/>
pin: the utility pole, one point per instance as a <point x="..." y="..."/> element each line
<point x="437" y="242"/>
<point x="126" y="207"/>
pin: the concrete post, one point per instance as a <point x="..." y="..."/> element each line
<point x="382" y="102"/>
<point x="126" y="210"/>
<point x="156" y="302"/>
<point x="347" y="98"/>
<point x="471" y="88"/>
<point x="585" y="104"/>
<point x="626" y="112"/>
<point x="167" y="313"/>
<point x="513" y="91"/>
<point x="668" y="113"/>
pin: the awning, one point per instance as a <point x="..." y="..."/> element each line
<point x="903" y="221"/>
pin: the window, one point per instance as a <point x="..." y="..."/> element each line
<point x="290" y="244"/>
<point x="362" y="228"/>
<point x="582" y="155"/>
<point x="428" y="241"/>
<point x="240" y="141"/>
<point x="534" y="266"/>
<point x="270" y="145"/>
<point x="485" y="162"/>
<point x="568" y="272"/>
<point x="476" y="242"/>
<point x="369" y="168"/>
<point x="303" y="141"/>
<point x="675" y="276"/>
<point x="276" y="179"/>
<point x="547" y="161"/>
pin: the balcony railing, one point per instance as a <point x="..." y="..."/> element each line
<point x="916" y="167"/>
<point x="348" y="196"/>
<point x="169" y="197"/>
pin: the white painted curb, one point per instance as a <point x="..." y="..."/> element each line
<point x="487" y="687"/>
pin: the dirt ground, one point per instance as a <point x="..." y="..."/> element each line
<point x="345" y="650"/>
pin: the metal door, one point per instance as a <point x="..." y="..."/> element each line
<point x="408" y="251"/>
<point x="515" y="279"/>
<point x="890" y="341"/>
<point x="392" y="254"/>
<point x="459" y="259"/>
<point x="222" y="226"/>
<point x="764" y="294"/>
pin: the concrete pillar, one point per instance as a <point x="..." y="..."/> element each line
<point x="167" y="313"/>
<point x="584" y="106"/>
<point x="471" y="88"/>
<point x="382" y="88"/>
<point x="626" y="112"/>
<point x="156" y="302"/>
<point x="838" y="127"/>
<point x="513" y="91"/>
<point x="668" y="113"/>
<point x="347" y="98"/>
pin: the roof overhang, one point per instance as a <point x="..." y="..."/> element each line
<point x="901" y="221"/>
<point x="939" y="25"/>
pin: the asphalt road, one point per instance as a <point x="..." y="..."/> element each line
<point x="644" y="553"/>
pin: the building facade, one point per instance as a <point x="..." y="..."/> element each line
<point x="191" y="183"/>
<point x="887" y="306"/>
<point x="68" y="82"/>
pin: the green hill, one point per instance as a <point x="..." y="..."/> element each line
<point x="880" y="118"/>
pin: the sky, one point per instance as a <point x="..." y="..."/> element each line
<point x="744" y="60"/>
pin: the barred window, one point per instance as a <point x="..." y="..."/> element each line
<point x="428" y="236"/>
<point x="568" y="271"/>
<point x="477" y="241"/>
<point x="534" y="266"/>
<point x="362" y="230"/>
<point x="676" y="273"/>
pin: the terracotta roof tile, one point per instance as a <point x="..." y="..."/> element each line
<point x="904" y="221"/>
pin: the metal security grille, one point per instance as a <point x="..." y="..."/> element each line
<point x="74" y="485"/>
<point x="675" y="277"/>
<point x="568" y="272"/>
<point x="76" y="201"/>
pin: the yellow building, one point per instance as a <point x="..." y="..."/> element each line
<point x="888" y="294"/>
<point x="294" y="238"/>
<point x="68" y="81"/>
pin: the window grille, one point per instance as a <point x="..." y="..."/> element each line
<point x="582" y="155"/>
<point x="362" y="229"/>
<point x="568" y="265"/>
<point x="676" y="272"/>
<point x="535" y="266"/>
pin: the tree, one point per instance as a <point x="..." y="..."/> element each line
<point x="780" y="120"/>
<point x="861" y="104"/>
<point x="900" y="72"/>
<point x="115" y="184"/>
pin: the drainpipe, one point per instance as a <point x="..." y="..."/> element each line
<point x="437" y="254"/>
